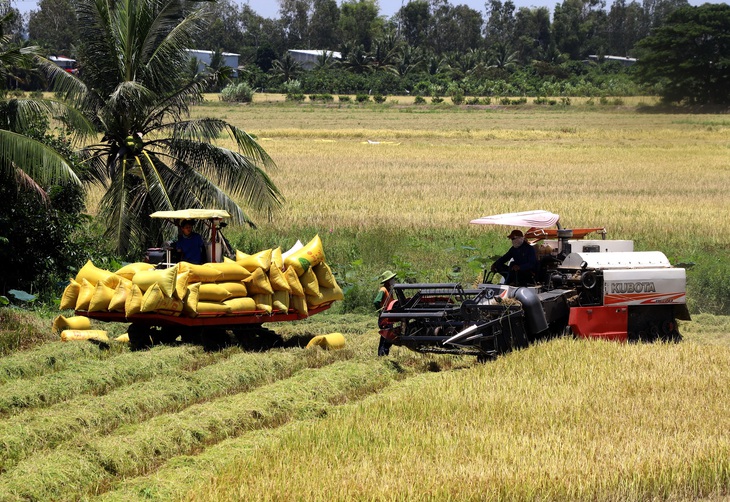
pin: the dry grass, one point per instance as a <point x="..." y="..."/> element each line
<point x="406" y="167"/>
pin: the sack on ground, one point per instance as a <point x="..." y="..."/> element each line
<point x="332" y="341"/>
<point x="61" y="323"/>
<point x="98" y="335"/>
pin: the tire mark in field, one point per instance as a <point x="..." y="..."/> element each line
<point x="47" y="428"/>
<point x="98" y="377"/>
<point x="179" y="475"/>
<point x="90" y="466"/>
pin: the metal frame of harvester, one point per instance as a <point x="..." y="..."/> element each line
<point x="590" y="288"/>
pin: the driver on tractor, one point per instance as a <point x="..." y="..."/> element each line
<point x="523" y="266"/>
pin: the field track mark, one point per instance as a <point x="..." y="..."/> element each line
<point x="88" y="416"/>
<point x="181" y="474"/>
<point x="89" y="466"/>
<point x="99" y="377"/>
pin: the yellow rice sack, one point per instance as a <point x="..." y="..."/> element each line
<point x="240" y="305"/>
<point x="115" y="280"/>
<point x="210" y="292"/>
<point x="230" y="270"/>
<point x="325" y="295"/>
<point x="92" y="273"/>
<point x="258" y="283"/>
<point x="70" y="295"/>
<point x="181" y="284"/>
<point x="122" y="338"/>
<point x="199" y="273"/>
<point x="310" y="255"/>
<point x="85" y="294"/>
<point x="133" y="304"/>
<point x="116" y="304"/>
<point x="299" y="304"/>
<point x="263" y="302"/>
<point x="251" y="262"/>
<point x="155" y="300"/>
<point x="294" y="283"/>
<point x="309" y="282"/>
<point x="101" y="298"/>
<point x="165" y="278"/>
<point x="325" y="277"/>
<point x="128" y="270"/>
<point x="61" y="323"/>
<point x="332" y="341"/>
<point x="70" y="335"/>
<point x="280" y="301"/>
<point x="190" y="305"/>
<point x="237" y="289"/>
<point x="213" y="308"/>
<point x="278" y="280"/>
<point x="277" y="259"/>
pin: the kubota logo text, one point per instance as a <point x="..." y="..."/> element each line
<point x="633" y="287"/>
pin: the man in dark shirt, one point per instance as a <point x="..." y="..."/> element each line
<point x="521" y="271"/>
<point x="190" y="244"/>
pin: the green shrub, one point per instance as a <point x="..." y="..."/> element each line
<point x="362" y="98"/>
<point x="379" y="98"/>
<point x="344" y="99"/>
<point x="297" y="98"/>
<point x="420" y="100"/>
<point x="437" y="99"/>
<point x="237" y="93"/>
<point x="458" y="97"/>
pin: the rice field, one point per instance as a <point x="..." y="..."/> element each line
<point x="641" y="175"/>
<point x="562" y="420"/>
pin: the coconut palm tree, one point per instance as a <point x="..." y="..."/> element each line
<point x="24" y="162"/>
<point x="150" y="155"/>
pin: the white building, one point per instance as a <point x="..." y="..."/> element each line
<point x="204" y="58"/>
<point x="624" y="61"/>
<point x="308" y="58"/>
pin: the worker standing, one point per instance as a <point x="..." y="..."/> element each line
<point x="387" y="280"/>
<point x="521" y="271"/>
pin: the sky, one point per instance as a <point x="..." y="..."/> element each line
<point x="270" y="8"/>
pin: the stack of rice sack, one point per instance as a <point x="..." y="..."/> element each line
<point x="269" y="281"/>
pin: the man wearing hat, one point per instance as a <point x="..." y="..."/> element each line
<point x="521" y="270"/>
<point x="387" y="279"/>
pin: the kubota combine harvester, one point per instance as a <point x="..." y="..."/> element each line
<point x="591" y="288"/>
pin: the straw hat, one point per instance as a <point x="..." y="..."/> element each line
<point x="386" y="276"/>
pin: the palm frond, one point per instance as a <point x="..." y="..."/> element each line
<point x="40" y="162"/>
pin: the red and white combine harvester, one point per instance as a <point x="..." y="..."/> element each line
<point x="592" y="288"/>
